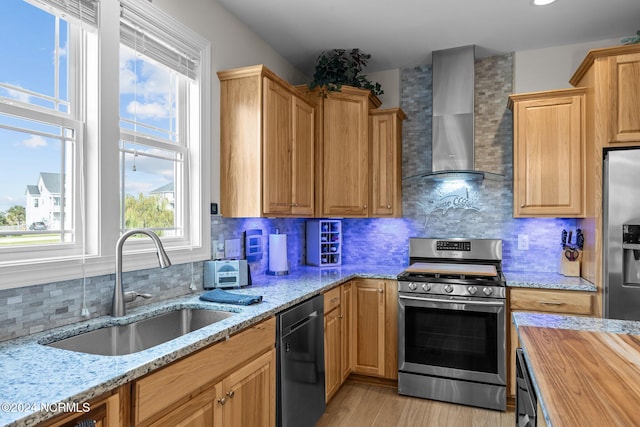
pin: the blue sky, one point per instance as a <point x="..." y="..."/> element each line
<point x="28" y="52"/>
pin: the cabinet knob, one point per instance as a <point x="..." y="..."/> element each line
<point x="388" y="206"/>
<point x="522" y="205"/>
<point x="222" y="400"/>
<point x="340" y="317"/>
<point x="380" y="291"/>
<point x="364" y="207"/>
<point x="231" y="393"/>
<point x="294" y="205"/>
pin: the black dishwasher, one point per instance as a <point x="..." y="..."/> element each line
<point x="300" y="367"/>
<point x="526" y="400"/>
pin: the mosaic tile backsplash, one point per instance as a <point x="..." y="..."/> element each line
<point x="463" y="209"/>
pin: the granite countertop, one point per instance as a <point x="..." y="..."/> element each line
<point x="35" y="377"/>
<point x="582" y="367"/>
<point x="524" y="279"/>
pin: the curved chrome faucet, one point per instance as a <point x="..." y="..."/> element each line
<point x="120" y="297"/>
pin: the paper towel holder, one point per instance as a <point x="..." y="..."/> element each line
<point x="284" y="267"/>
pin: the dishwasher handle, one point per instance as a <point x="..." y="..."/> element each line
<point x="299" y="324"/>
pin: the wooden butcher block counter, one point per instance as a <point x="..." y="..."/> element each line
<point x="585" y="371"/>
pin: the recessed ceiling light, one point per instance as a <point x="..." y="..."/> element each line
<point x="542" y="2"/>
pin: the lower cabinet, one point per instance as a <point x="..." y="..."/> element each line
<point x="375" y="327"/>
<point x="337" y="337"/>
<point x="232" y="383"/>
<point x="102" y="412"/>
<point x="574" y="303"/>
<point x="244" y="398"/>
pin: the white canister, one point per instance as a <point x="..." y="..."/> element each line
<point x="278" y="264"/>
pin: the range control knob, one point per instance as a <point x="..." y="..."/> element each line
<point x="426" y="287"/>
<point x="472" y="290"/>
<point x="487" y="291"/>
<point x="448" y="289"/>
<point x="413" y="286"/>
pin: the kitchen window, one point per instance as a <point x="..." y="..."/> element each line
<point x="92" y="155"/>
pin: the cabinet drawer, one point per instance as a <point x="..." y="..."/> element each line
<point x="553" y="301"/>
<point x="331" y="299"/>
<point x="162" y="389"/>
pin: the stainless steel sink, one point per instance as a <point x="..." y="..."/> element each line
<point x="141" y="335"/>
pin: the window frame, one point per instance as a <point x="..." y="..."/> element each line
<point x="99" y="114"/>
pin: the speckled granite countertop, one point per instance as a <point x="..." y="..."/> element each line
<point x="571" y="323"/>
<point x="34" y="375"/>
<point x="523" y="279"/>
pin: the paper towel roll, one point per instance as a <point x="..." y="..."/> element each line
<point x="278" y="264"/>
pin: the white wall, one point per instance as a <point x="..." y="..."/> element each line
<point x="233" y="45"/>
<point x="390" y="82"/>
<point x="551" y="68"/>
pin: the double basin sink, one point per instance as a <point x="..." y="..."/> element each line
<point x="143" y="334"/>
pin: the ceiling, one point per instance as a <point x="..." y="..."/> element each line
<point x="403" y="33"/>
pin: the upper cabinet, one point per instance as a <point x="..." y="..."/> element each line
<point x="266" y="146"/>
<point x="342" y="151"/>
<point x="549" y="153"/>
<point x="385" y="153"/>
<point x="614" y="74"/>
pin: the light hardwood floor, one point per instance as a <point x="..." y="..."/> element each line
<point x="367" y="405"/>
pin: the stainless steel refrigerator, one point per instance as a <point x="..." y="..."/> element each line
<point x="621" y="243"/>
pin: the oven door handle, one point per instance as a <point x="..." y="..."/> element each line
<point x="489" y="303"/>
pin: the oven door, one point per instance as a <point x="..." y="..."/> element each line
<point x="452" y="337"/>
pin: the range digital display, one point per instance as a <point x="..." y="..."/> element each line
<point x="447" y="245"/>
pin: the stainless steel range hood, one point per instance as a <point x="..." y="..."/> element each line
<point x="453" y="118"/>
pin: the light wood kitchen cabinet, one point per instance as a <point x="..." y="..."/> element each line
<point x="232" y="383"/>
<point x="266" y="146"/>
<point x="574" y="303"/>
<point x="549" y="153"/>
<point x="375" y="334"/>
<point x="103" y="411"/>
<point x="386" y="162"/>
<point x="337" y="342"/>
<point x="342" y="151"/>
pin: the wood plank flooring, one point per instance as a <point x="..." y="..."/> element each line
<point x="367" y="405"/>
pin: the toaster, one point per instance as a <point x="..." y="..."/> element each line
<point x="226" y="274"/>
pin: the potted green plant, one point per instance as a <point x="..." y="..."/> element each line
<point x="631" y="40"/>
<point x="339" y="67"/>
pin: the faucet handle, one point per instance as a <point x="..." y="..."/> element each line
<point x="131" y="296"/>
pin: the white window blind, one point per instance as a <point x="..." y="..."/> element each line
<point x="157" y="38"/>
<point x="84" y="11"/>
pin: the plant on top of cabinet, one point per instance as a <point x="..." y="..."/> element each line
<point x="339" y="67"/>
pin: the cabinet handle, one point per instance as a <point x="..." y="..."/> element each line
<point x="222" y="400"/>
<point x="231" y="393"/>
<point x="340" y="316"/>
<point x="551" y="303"/>
<point x="294" y="205"/>
<point x="335" y="299"/>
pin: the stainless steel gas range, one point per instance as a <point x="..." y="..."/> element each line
<point x="452" y="322"/>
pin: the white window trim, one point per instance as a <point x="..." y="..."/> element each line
<point x="101" y="160"/>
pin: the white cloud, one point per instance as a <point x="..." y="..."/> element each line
<point x="16" y="94"/>
<point x="35" y="141"/>
<point x="152" y="110"/>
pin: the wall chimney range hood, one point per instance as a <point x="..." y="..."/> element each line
<point x="453" y="117"/>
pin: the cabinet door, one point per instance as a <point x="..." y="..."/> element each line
<point x="625" y="98"/>
<point x="332" y="352"/>
<point x="549" y="157"/>
<point x="386" y="163"/>
<point x="346" y="320"/>
<point x="345" y="155"/>
<point x="369" y="334"/>
<point x="250" y="394"/>
<point x="276" y="148"/>
<point x="303" y="172"/>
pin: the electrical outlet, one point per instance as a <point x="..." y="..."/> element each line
<point x="232" y="248"/>
<point x="523" y="242"/>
